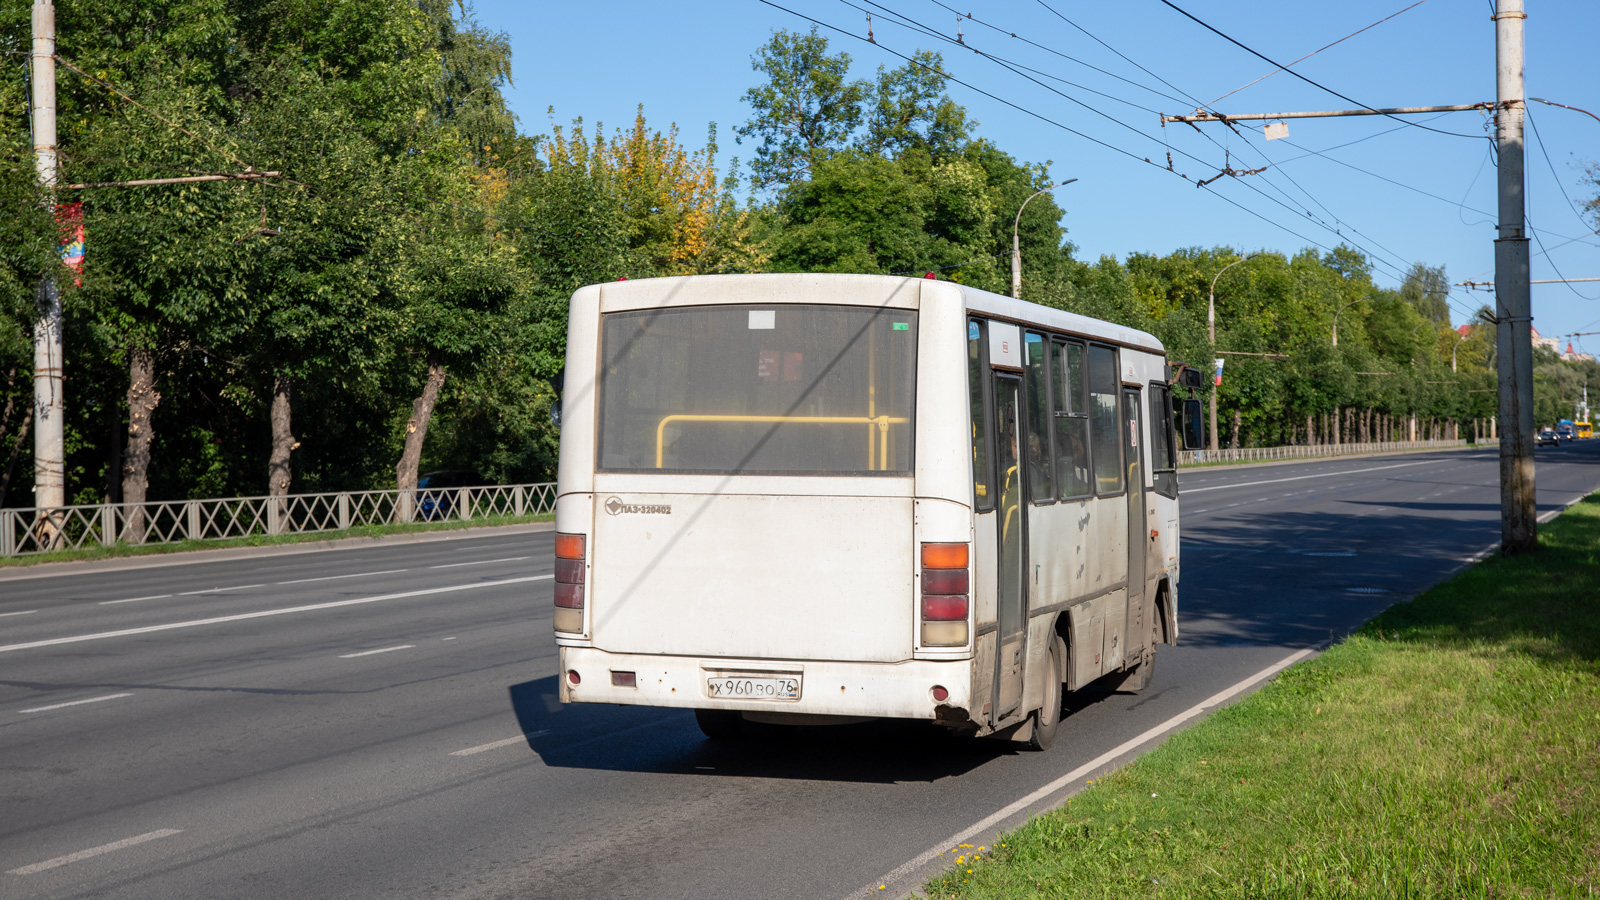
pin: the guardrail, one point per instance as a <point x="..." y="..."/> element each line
<point x="1307" y="451"/>
<point x="31" y="530"/>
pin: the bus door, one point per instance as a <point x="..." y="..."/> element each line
<point x="1012" y="560"/>
<point x="1136" y="633"/>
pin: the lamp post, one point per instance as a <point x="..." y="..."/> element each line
<point x="1016" y="245"/>
<point x="1211" y="334"/>
<point x="1336" y="318"/>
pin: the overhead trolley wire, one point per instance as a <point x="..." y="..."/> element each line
<point x="1397" y="267"/>
<point x="1314" y="84"/>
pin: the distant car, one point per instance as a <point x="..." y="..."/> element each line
<point x="1547" y="438"/>
<point x="1564" y="431"/>
<point x="435" y="497"/>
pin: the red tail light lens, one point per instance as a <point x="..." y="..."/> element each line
<point x="944" y="607"/>
<point x="569" y="571"/>
<point x="944" y="581"/>
<point x="569" y="596"/>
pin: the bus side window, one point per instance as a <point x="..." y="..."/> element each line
<point x="1105" y="433"/>
<point x="977" y="375"/>
<point x="1163" y="459"/>
<point x="1036" y="385"/>
<point x="1071" y="421"/>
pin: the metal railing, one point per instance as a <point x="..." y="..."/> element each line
<point x="31" y="530"/>
<point x="1307" y="451"/>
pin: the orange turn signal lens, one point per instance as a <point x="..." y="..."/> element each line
<point x="944" y="556"/>
<point x="569" y="546"/>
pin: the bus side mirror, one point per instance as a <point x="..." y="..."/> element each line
<point x="556" y="381"/>
<point x="1190" y="427"/>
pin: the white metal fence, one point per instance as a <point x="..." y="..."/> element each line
<point x="1306" y="451"/>
<point x="24" y="531"/>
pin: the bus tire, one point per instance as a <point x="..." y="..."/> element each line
<point x="1047" y="718"/>
<point x="720" y="724"/>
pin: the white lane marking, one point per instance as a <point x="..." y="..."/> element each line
<point x="237" y="587"/>
<point x="479" y="562"/>
<point x="95" y="851"/>
<point x="74" y="703"/>
<point x="1218" y="487"/>
<point x="496" y="745"/>
<point x="136" y="599"/>
<point x="26" y="612"/>
<point x="447" y="639"/>
<point x="371" y="652"/>
<point x="269" y="612"/>
<point x="336" y="577"/>
<point x="990" y="821"/>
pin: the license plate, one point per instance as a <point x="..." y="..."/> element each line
<point x="753" y="687"/>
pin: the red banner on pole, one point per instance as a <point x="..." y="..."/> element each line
<point x="69" y="219"/>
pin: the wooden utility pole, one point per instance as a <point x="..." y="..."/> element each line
<point x="49" y="435"/>
<point x="1513" y="305"/>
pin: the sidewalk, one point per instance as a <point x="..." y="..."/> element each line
<point x="223" y="554"/>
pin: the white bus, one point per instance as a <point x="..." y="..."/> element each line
<point x="823" y="498"/>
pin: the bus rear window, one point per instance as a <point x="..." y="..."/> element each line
<point x="774" y="390"/>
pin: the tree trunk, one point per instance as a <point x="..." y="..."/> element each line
<point x="283" y="444"/>
<point x="416" y="432"/>
<point x="22" y="434"/>
<point x="142" y="402"/>
<point x="1235" y="441"/>
<point x="1311" y="435"/>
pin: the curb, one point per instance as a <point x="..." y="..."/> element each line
<point x="224" y="554"/>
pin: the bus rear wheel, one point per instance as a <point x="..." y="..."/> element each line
<point x="1047" y="718"/>
<point x="720" y="724"/>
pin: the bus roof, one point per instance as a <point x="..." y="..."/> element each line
<point x="889" y="290"/>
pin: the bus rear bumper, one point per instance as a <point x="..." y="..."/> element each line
<point x="901" y="690"/>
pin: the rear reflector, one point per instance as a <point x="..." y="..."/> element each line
<point x="944" y="634"/>
<point x="624" y="679"/>
<point x="569" y="546"/>
<point x="940" y="694"/>
<point x="569" y="571"/>
<point x="570" y="596"/>
<point x="944" y="556"/>
<point x="934" y="581"/>
<point x="572" y="676"/>
<point x="944" y="607"/>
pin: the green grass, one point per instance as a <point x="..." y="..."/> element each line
<point x="1256" y="462"/>
<point x="1451" y="748"/>
<point x="262" y="540"/>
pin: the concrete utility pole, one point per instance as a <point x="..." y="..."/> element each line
<point x="1016" y="245"/>
<point x="1211" y="332"/>
<point x="1513" y="305"/>
<point x="49" y="438"/>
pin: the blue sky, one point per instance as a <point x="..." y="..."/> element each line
<point x="1370" y="186"/>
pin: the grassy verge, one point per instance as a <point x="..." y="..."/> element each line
<point x="262" y="540"/>
<point x="1451" y="748"/>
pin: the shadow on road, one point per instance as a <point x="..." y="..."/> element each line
<point x="653" y="740"/>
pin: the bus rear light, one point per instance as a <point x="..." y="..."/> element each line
<point x="944" y="634"/>
<point x="944" y="556"/>
<point x="568" y="621"/>
<point x="940" y="694"/>
<point x="624" y="679"/>
<point x="570" y="596"/>
<point x="572" y="676"/>
<point x="944" y="607"/>
<point x="569" y="546"/>
<point x="944" y="581"/>
<point x="569" y="571"/>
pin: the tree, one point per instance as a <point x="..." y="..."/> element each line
<point x="1425" y="288"/>
<point x="909" y="109"/>
<point x="806" y="109"/>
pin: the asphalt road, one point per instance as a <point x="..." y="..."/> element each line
<point x="381" y="721"/>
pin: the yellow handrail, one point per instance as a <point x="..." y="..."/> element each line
<point x="882" y="423"/>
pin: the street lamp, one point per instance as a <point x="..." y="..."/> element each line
<point x="1336" y="318"/>
<point x="1211" y="332"/>
<point x="1016" y="245"/>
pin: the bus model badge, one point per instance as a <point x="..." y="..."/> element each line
<point x="616" y="507"/>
